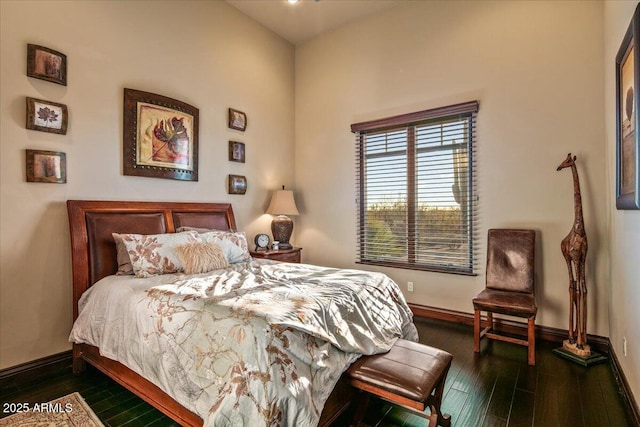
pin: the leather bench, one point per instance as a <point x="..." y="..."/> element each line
<point x="411" y="375"/>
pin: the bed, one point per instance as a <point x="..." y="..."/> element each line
<point x="95" y="262"/>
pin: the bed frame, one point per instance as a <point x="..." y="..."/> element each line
<point x="93" y="256"/>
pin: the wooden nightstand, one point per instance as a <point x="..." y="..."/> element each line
<point x="285" y="255"/>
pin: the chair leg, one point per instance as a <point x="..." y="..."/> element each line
<point x="531" y="333"/>
<point x="490" y="320"/>
<point x="476" y="331"/>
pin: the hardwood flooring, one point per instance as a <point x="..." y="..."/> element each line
<point x="498" y="388"/>
<point x="495" y="388"/>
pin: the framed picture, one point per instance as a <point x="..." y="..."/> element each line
<point x="237" y="120"/>
<point x="237" y="184"/>
<point x="236" y="151"/>
<point x="160" y="137"/>
<point x="46" y="166"/>
<point x="46" y="64"/>
<point x="47" y="116"/>
<point x="627" y="119"/>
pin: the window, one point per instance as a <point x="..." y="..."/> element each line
<point x="416" y="192"/>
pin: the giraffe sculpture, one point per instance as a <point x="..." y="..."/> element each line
<point x="574" y="249"/>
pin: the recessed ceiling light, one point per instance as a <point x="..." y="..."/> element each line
<point x="292" y="1"/>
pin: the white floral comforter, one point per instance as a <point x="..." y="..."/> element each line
<point x="256" y="344"/>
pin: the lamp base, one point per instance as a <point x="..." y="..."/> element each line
<point x="281" y="228"/>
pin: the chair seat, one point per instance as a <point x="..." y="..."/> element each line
<point x="506" y="302"/>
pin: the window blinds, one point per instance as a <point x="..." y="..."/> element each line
<point x="416" y="186"/>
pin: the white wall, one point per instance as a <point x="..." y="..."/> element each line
<point x="624" y="242"/>
<point x="537" y="70"/>
<point x="204" y="53"/>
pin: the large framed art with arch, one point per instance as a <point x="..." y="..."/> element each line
<point x="627" y="118"/>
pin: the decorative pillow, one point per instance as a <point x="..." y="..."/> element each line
<point x="156" y="254"/>
<point x="201" y="257"/>
<point x="124" y="262"/>
<point x="233" y="243"/>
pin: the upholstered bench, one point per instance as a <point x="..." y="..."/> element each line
<point x="411" y="375"/>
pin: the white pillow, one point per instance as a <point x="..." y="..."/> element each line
<point x="155" y="254"/>
<point x="233" y="243"/>
<point x="124" y="262"/>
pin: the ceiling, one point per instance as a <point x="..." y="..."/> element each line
<point x="306" y="19"/>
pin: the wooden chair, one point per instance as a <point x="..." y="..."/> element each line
<point x="509" y="286"/>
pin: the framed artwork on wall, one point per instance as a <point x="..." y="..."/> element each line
<point x="627" y="118"/>
<point x="160" y="137"/>
<point x="46" y="64"/>
<point x="237" y="120"/>
<point x="46" y="116"/>
<point x="236" y="151"/>
<point x="46" y="166"/>
<point x="237" y="184"/>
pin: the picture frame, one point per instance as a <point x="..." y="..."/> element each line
<point x="627" y="117"/>
<point x="46" y="116"/>
<point x="237" y="184"/>
<point x="46" y="64"/>
<point x="46" y="166"/>
<point x="160" y="137"/>
<point x="237" y="120"/>
<point x="236" y="151"/>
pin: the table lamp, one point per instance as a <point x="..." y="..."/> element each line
<point x="282" y="204"/>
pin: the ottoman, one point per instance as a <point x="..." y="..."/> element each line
<point x="411" y="375"/>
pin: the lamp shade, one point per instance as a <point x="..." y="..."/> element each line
<point x="282" y="203"/>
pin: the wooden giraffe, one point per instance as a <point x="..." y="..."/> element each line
<point x="574" y="249"/>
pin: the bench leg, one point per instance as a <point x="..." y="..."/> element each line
<point x="435" y="405"/>
<point x="433" y="419"/>
<point x="437" y="418"/>
<point x="363" y="402"/>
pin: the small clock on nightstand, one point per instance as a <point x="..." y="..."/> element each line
<point x="262" y="242"/>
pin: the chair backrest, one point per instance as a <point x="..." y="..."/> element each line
<point x="510" y="259"/>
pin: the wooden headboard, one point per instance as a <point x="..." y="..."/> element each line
<point x="91" y="222"/>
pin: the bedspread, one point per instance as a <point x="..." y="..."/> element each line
<point x="256" y="344"/>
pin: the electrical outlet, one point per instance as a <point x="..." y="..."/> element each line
<point x="624" y="346"/>
<point x="410" y="289"/>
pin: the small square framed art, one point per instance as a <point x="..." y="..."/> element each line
<point x="46" y="166"/>
<point x="47" y="116"/>
<point x="237" y="120"/>
<point x="236" y="151"/>
<point x="46" y="64"/>
<point x="237" y="184"/>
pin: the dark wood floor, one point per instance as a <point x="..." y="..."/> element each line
<point x="497" y="388"/>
